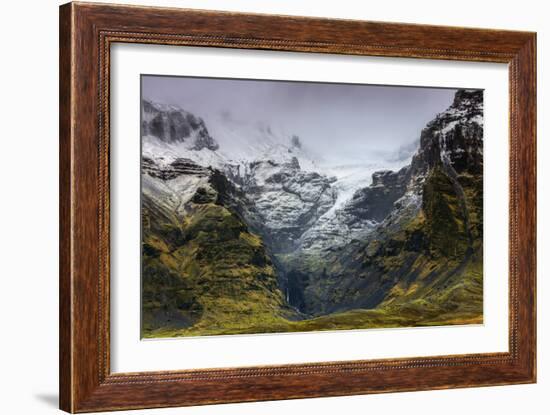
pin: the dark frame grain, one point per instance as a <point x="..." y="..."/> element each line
<point x="86" y="33"/>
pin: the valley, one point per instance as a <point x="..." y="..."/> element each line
<point x="253" y="234"/>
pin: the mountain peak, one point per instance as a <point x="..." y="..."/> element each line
<point x="468" y="96"/>
<point x="455" y="136"/>
<point x="171" y="124"/>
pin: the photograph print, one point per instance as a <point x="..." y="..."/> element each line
<point x="284" y="206"/>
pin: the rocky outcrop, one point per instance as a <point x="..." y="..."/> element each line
<point x="288" y="200"/>
<point x="368" y="207"/>
<point x="171" y="170"/>
<point x="377" y="201"/>
<point x="454" y="137"/>
<point x="172" y="125"/>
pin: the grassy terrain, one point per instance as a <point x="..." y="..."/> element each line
<point x="349" y="320"/>
<point x="208" y="272"/>
<point x="460" y="302"/>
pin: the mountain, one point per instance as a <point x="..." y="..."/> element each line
<point x="271" y="166"/>
<point x="359" y="215"/>
<point x="244" y="231"/>
<point x="202" y="266"/>
<point x="426" y="251"/>
<point x="288" y="200"/>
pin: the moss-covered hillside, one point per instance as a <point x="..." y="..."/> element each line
<point x="207" y="272"/>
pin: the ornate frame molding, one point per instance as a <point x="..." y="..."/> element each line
<point x="87" y="32"/>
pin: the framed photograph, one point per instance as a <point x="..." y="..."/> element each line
<point x="260" y="207"/>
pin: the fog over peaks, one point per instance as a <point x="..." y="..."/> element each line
<point x="342" y="123"/>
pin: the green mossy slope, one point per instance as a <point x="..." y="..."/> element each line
<point x="207" y="272"/>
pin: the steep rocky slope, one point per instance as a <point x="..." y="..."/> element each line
<point x="201" y="264"/>
<point x="173" y="125"/>
<point x="426" y="251"/>
<point x="288" y="200"/>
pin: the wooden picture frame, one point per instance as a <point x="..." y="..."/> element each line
<point x="86" y="33"/>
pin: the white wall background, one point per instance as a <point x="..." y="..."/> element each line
<point x="28" y="211"/>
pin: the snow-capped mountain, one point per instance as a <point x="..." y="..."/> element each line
<point x="245" y="141"/>
<point x="282" y="179"/>
<point x="454" y="139"/>
<point x="323" y="238"/>
<point x="411" y="232"/>
<point x="299" y="201"/>
<point x="288" y="199"/>
<point x="455" y="136"/>
<point x="171" y="132"/>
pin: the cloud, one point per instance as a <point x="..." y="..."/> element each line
<point x="342" y="122"/>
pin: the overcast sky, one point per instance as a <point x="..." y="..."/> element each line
<point x="342" y="121"/>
